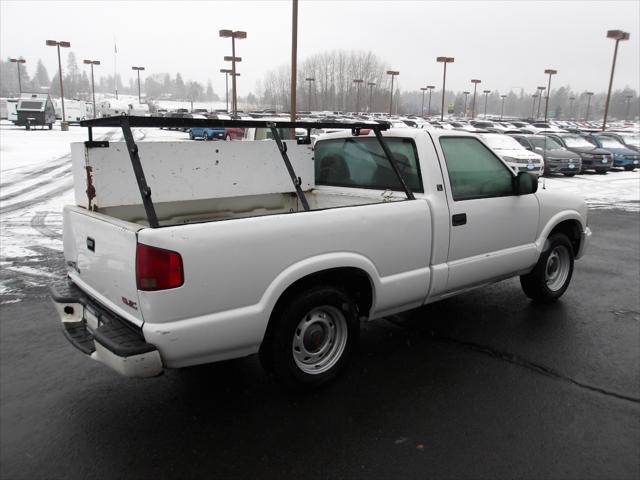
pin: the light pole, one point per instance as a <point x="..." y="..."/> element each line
<point x="533" y="105"/>
<point x="18" y="61"/>
<point x="233" y="59"/>
<point x="138" y="69"/>
<point x="589" y="95"/>
<point x="226" y="72"/>
<point x="466" y="97"/>
<point x="64" y="126"/>
<point x="93" y="90"/>
<point x="309" y="79"/>
<point x="502" y="107"/>
<point x="444" y="60"/>
<point x="540" y="90"/>
<point x="617" y="35"/>
<point x="549" y="72"/>
<point x="371" y="85"/>
<point x="628" y="97"/>
<point x="430" y="87"/>
<point x="475" y="82"/>
<point x="358" y="81"/>
<point x="424" y="89"/>
<point x="486" y="96"/>
<point x="393" y="73"/>
<point x="571" y="99"/>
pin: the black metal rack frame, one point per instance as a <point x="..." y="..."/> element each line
<point x="126" y="122"/>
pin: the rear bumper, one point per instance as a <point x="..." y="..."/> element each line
<point x="102" y="335"/>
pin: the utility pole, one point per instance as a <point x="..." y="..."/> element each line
<point x="466" y="97"/>
<point x="444" y="60"/>
<point x="18" y="61"/>
<point x="139" y="69"/>
<point x="475" y="82"/>
<point x="540" y="90"/>
<point x="486" y="96"/>
<point x="617" y="35"/>
<point x="424" y="89"/>
<point x="549" y="72"/>
<point x="502" y="107"/>
<point x="430" y="87"/>
<point x="240" y="35"/>
<point x="64" y="125"/>
<point x="93" y="90"/>
<point x="589" y="95"/>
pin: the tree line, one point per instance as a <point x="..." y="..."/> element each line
<point x="77" y="83"/>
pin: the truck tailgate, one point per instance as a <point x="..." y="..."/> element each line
<point x="100" y="253"/>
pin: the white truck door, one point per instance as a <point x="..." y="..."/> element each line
<point x="492" y="230"/>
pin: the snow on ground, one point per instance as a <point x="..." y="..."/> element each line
<point x="36" y="182"/>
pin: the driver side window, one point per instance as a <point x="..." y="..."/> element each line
<point x="474" y="171"/>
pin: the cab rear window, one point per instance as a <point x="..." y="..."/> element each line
<point x="360" y="162"/>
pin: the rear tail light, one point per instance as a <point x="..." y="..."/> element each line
<point x="157" y="268"/>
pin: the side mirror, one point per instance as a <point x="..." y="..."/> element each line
<point x="525" y="183"/>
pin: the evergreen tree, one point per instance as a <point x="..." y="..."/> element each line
<point x="41" y="78"/>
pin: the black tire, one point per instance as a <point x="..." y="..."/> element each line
<point x="50" y="126"/>
<point x="191" y="136"/>
<point x="540" y="284"/>
<point x="569" y="174"/>
<point x="629" y="168"/>
<point x="312" y="310"/>
<point x="602" y="172"/>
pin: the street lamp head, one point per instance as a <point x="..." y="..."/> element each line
<point x="91" y="62"/>
<point x="618" y="35"/>
<point x="445" y="59"/>
<point x="475" y="80"/>
<point x="239" y="34"/>
<point x="486" y="91"/>
<point x="51" y="43"/>
<point x="358" y="80"/>
<point x="535" y="95"/>
<point x="226" y="33"/>
<point x="423" y="88"/>
<point x="137" y="68"/>
<point x="17" y="60"/>
<point x="466" y="93"/>
<point x="550" y="71"/>
<point x="542" y="88"/>
<point x="393" y="72"/>
<point x="232" y="59"/>
<point x="503" y="96"/>
<point x="65" y="44"/>
<point x="226" y="70"/>
<point x="431" y="87"/>
<point x="371" y="84"/>
<point x="310" y="79"/>
<point x="588" y="93"/>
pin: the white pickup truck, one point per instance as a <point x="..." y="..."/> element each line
<point x="184" y="253"/>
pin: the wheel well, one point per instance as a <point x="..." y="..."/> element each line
<point x="353" y="281"/>
<point x="572" y="229"/>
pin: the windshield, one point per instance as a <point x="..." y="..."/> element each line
<point x="502" y="142"/>
<point x="30" y="105"/>
<point x="575" y="141"/>
<point x="632" y="140"/>
<point x="610" y="142"/>
<point x="546" y="143"/>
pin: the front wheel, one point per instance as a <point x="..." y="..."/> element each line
<point x="551" y="276"/>
<point x="50" y="126"/>
<point x="312" y="338"/>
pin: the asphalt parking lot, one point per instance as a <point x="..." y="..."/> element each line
<point x="484" y="385"/>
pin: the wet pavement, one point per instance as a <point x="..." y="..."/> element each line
<point x="483" y="385"/>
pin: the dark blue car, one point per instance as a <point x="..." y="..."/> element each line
<point x="622" y="155"/>
<point x="207" y="133"/>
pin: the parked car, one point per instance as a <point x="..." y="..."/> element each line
<point x="629" y="139"/>
<point x="557" y="159"/>
<point x="248" y="257"/>
<point x="623" y="156"/>
<point x="516" y="156"/>
<point x="593" y="158"/>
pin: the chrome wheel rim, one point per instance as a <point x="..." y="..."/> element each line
<point x="557" y="268"/>
<point x="319" y="339"/>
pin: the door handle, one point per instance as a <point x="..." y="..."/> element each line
<point x="459" y="219"/>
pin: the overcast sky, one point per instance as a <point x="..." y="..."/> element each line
<point x="506" y="44"/>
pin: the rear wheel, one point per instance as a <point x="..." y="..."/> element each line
<point x="50" y="126"/>
<point x="551" y="276"/>
<point x="312" y="338"/>
<point x="629" y="168"/>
